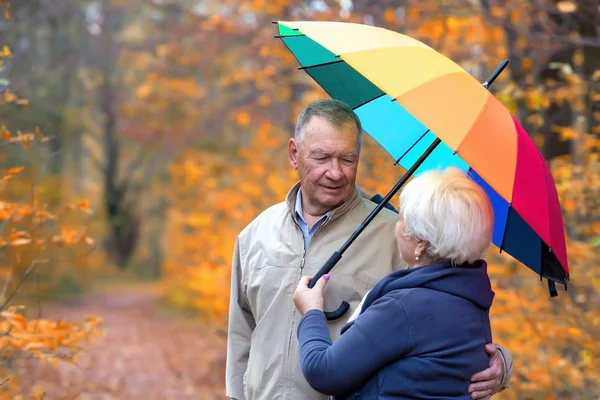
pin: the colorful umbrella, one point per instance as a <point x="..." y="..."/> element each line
<point x="407" y="96"/>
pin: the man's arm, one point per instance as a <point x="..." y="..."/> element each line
<point x="241" y="325"/>
<point x="495" y="378"/>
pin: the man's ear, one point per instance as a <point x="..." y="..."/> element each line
<point x="293" y="153"/>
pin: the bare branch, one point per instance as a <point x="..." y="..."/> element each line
<point x="37" y="291"/>
<point x="28" y="272"/>
<point x="8" y="280"/>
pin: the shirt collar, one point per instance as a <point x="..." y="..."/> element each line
<point x="299" y="207"/>
<point x="351" y="203"/>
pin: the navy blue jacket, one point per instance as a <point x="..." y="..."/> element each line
<point x="420" y="335"/>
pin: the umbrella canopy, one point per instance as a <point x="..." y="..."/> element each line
<point x="407" y="95"/>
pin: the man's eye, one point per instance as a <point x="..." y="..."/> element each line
<point x="348" y="161"/>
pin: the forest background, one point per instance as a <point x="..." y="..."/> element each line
<point x="137" y="138"/>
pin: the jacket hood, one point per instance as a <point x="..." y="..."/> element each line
<point x="469" y="281"/>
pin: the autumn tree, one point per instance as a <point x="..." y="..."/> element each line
<point x="32" y="238"/>
<point x="217" y="190"/>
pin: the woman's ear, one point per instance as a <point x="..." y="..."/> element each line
<point x="422" y="246"/>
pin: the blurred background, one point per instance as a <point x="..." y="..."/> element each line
<point x="137" y="138"/>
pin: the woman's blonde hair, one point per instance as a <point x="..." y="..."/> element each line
<point x="451" y="212"/>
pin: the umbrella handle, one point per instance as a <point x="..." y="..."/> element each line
<point x="344" y="307"/>
<point x="337" y="255"/>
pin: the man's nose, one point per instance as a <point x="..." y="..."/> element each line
<point x="335" y="172"/>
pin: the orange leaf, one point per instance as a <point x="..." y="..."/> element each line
<point x="19" y="321"/>
<point x="9" y="97"/>
<point x="569" y="205"/>
<point x="578" y="57"/>
<point x="5" y="133"/>
<point x="566" y="133"/>
<point x="14" y="170"/>
<point x="574" y="332"/>
<point x="243" y="119"/>
<point x="18" y="234"/>
<point x="515" y="16"/>
<point x="143" y="91"/>
<point x="389" y="15"/>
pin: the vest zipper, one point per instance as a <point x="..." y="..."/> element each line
<point x="303" y="260"/>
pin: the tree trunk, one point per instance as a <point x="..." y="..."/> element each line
<point x="123" y="224"/>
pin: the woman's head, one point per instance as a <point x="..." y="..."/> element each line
<point x="444" y="216"/>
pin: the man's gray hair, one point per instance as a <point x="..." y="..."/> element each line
<point x="334" y="111"/>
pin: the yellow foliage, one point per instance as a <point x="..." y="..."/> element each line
<point x="5" y="52"/>
<point x="29" y="230"/>
<point x="143" y="91"/>
<point x="42" y="338"/>
<point x="452" y="23"/>
<point x="566" y="133"/>
<point x="553" y="341"/>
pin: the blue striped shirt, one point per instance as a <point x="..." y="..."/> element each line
<point x="307" y="233"/>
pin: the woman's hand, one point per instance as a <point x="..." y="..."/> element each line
<point x="307" y="299"/>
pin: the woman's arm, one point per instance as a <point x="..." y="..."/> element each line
<point x="378" y="337"/>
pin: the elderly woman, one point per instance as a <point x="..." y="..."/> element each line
<point x="420" y="332"/>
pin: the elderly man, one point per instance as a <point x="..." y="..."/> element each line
<point x="294" y="238"/>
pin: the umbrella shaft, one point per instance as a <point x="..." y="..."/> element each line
<point x="390" y="194"/>
<point x="495" y="74"/>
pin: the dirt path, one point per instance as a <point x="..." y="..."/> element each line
<point x="145" y="355"/>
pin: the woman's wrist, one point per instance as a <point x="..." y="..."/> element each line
<point x="314" y="311"/>
<point x="312" y="314"/>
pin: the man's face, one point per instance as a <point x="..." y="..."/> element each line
<point x="327" y="162"/>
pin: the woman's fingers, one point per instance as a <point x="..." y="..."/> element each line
<point x="322" y="282"/>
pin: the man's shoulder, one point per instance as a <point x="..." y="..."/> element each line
<point x="384" y="216"/>
<point x="268" y="218"/>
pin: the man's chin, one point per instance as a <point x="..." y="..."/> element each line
<point x="333" y="200"/>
